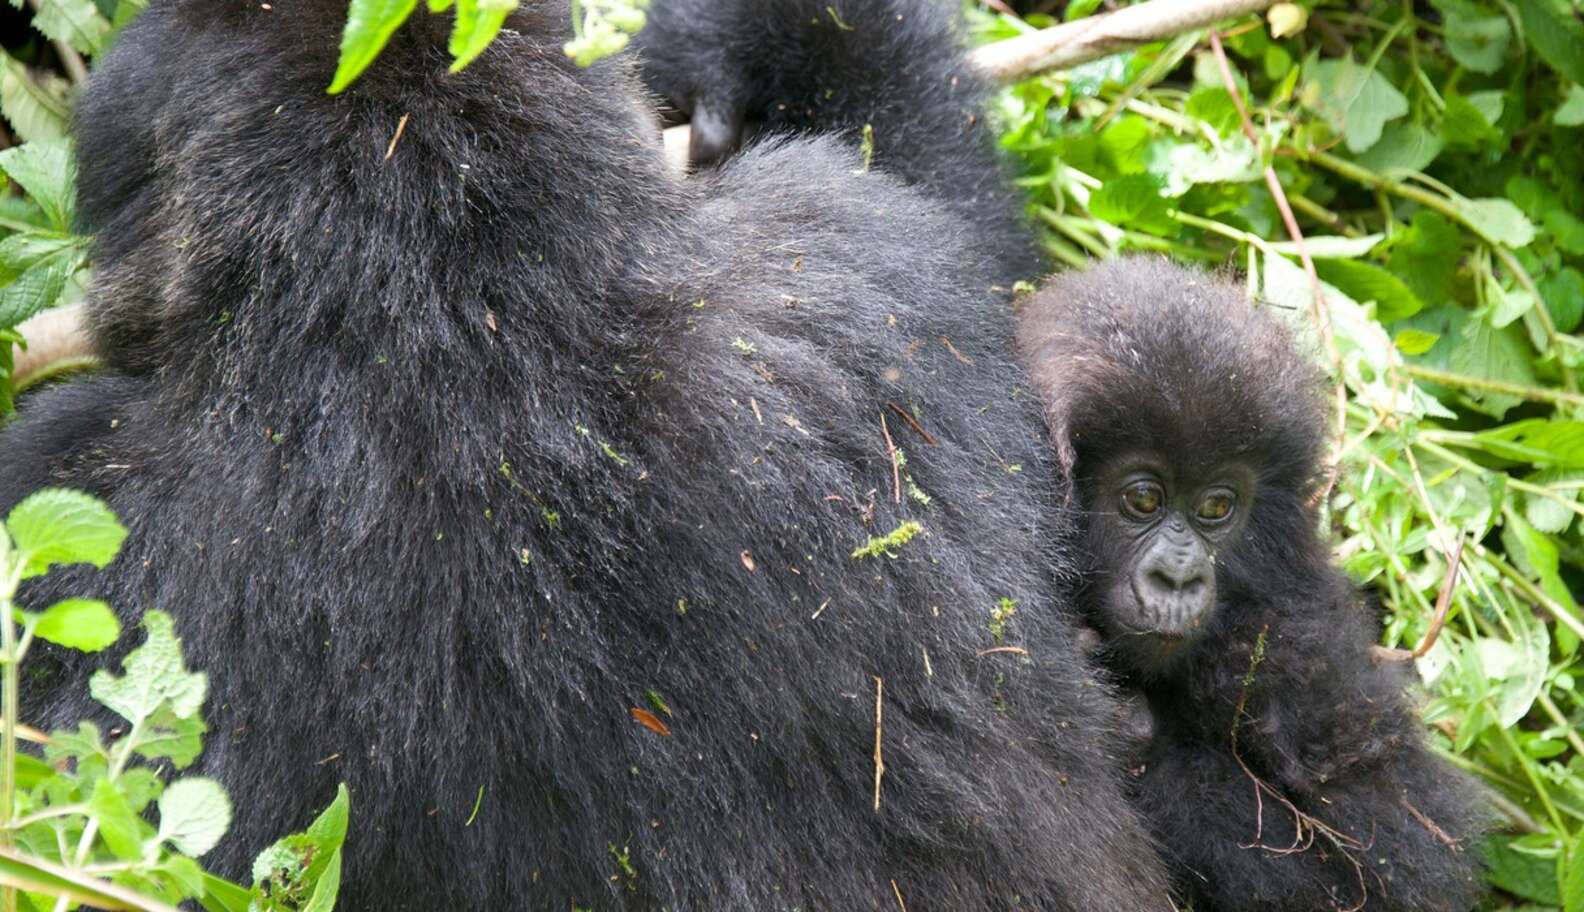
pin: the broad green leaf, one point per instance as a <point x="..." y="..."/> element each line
<point x="1497" y="219"/>
<point x="1478" y="43"/>
<point x="75" y="22"/>
<point x="194" y="814"/>
<point x="1563" y="292"/>
<point x="1552" y="515"/>
<point x="370" y="24"/>
<point x="326" y="886"/>
<point x="1567" y="229"/>
<point x="1552" y="443"/>
<point x="155" y="677"/>
<point x="1553" y="28"/>
<point x="477" y="24"/>
<point x="1402" y="148"/>
<point x="1363" y="281"/>
<point x="1516" y="669"/>
<point x="45" y="170"/>
<point x="35" y="103"/>
<point x="31" y="771"/>
<point x="82" y="624"/>
<point x="1359" y="102"/>
<point x="1125" y="143"/>
<point x="1214" y="106"/>
<point x="122" y="830"/>
<point x="311" y="858"/>
<point x="172" y="737"/>
<point x="1465" y="124"/>
<point x="1571" y="113"/>
<point x="1494" y="354"/>
<point x="56" y="526"/>
<point x="224" y="896"/>
<point x="1423" y="254"/>
<point x="1132" y="200"/>
<point x="43" y="285"/>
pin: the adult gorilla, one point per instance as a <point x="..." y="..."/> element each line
<point x="453" y="462"/>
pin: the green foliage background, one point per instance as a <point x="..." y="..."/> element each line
<point x="1432" y="153"/>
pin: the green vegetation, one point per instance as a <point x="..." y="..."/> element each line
<point x="1431" y="154"/>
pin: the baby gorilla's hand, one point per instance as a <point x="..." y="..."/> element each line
<point x="1134" y="722"/>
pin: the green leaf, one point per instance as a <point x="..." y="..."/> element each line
<point x="1563" y="293"/>
<point x="31" y="771"/>
<point x="155" y="677"/>
<point x="1422" y="256"/>
<point x="1573" y="878"/>
<point x="1496" y="219"/>
<point x="75" y="22"/>
<point x="1553" y="29"/>
<point x="311" y="858"/>
<point x="122" y="830"/>
<point x="39" y="876"/>
<point x="40" y="287"/>
<point x="1571" y="113"/>
<point x="1495" y="354"/>
<point x="1567" y="229"/>
<point x="370" y="24"/>
<point x="1132" y="200"/>
<point x="82" y="624"/>
<point x="35" y="103"/>
<point x="1552" y="443"/>
<point x="56" y="526"/>
<point x="1214" y="106"/>
<point x="1359" y="102"/>
<point x="46" y="171"/>
<point x="477" y="24"/>
<point x="1414" y="341"/>
<point x="1402" y="148"/>
<point x="194" y="814"/>
<point x="224" y="896"/>
<point x="1465" y="125"/>
<point x="1363" y="281"/>
<point x="1478" y="43"/>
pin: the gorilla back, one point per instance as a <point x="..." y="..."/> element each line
<point x="448" y="460"/>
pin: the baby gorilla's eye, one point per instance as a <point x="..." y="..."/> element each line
<point x="1142" y="498"/>
<point x="1216" y="506"/>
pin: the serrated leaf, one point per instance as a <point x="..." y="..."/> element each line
<point x="370" y="24"/>
<point x="1359" y="102"/>
<point x="46" y="171"/>
<point x="155" y="677"/>
<point x="194" y="814"/>
<point x="82" y="624"/>
<point x="1465" y="124"/>
<point x="1132" y="200"/>
<point x="1423" y="256"/>
<point x="310" y="858"/>
<point x="1364" y="282"/>
<point x="1478" y="43"/>
<point x="1553" y="29"/>
<point x="477" y="24"/>
<point x="40" y="287"/>
<point x="56" y="526"/>
<point x="34" y="102"/>
<point x="75" y="22"/>
<point x="1497" y="219"/>
<point x="1494" y="354"/>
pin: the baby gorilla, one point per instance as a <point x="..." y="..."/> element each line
<point x="1286" y="770"/>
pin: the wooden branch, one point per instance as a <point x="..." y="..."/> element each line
<point x="1093" y="37"/>
<point x="54" y="335"/>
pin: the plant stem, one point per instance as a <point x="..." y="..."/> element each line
<point x="9" y="687"/>
<point x="1465" y="381"/>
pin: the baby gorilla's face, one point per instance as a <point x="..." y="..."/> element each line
<point x="1153" y="529"/>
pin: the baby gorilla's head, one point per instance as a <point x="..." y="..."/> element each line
<point x="1190" y="429"/>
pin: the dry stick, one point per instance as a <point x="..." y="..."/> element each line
<point x="896" y="465"/>
<point x="401" y="127"/>
<point x="1322" y="314"/>
<point x="879" y="764"/>
<point x="912" y="422"/>
<point x="898" y="891"/>
<point x="1093" y="37"/>
<point x="1443" y="604"/>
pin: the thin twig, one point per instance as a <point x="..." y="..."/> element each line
<point x="898" y="891"/>
<point x="401" y="127"/>
<point x="1093" y="37"/>
<point x="1321" y="312"/>
<point x="879" y="764"/>
<point x="896" y="464"/>
<point x="1443" y="604"/>
<point x="912" y="422"/>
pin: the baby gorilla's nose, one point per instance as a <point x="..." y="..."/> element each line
<point x="1175" y="588"/>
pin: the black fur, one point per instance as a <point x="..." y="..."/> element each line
<point x="1140" y="353"/>
<point x="446" y="463"/>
